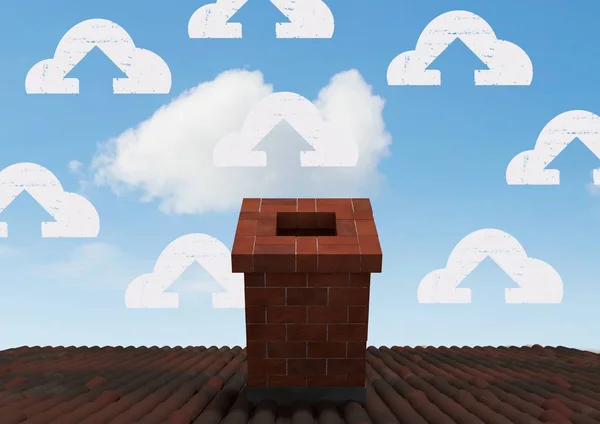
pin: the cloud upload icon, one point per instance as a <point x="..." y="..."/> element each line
<point x="148" y="290"/>
<point x="147" y="73"/>
<point x="507" y="63"/>
<point x="529" y="167"/>
<point x="75" y="216"/>
<point x="538" y="282"/>
<point x="333" y="146"/>
<point x="307" y="19"/>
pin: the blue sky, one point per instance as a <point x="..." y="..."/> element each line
<point x="444" y="176"/>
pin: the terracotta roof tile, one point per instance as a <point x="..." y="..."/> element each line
<point x="200" y="385"/>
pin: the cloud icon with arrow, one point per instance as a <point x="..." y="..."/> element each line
<point x="307" y="19"/>
<point x="538" y="282"/>
<point x="74" y="215"/>
<point x="148" y="290"/>
<point x="507" y="63"/>
<point x="147" y="73"/>
<point x="332" y="145"/>
<point x="529" y="167"/>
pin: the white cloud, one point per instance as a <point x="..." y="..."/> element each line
<point x="538" y="281"/>
<point x="169" y="156"/>
<point x="75" y="166"/>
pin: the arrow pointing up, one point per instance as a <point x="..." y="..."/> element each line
<point x="96" y="72"/>
<point x="258" y="19"/>
<point x="457" y="65"/>
<point x="24" y="217"/>
<point x="487" y="283"/>
<point x="575" y="163"/>
<point x="283" y="146"/>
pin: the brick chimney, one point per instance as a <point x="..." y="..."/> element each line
<point x="307" y="266"/>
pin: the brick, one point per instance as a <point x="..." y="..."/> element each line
<point x="286" y="314"/>
<point x="277" y="250"/>
<point x="250" y="205"/>
<point x="339" y="258"/>
<point x="371" y="263"/>
<point x="358" y="314"/>
<point x="286" y="349"/>
<point x="246" y="227"/>
<point x="306" y="296"/>
<point x="242" y="254"/>
<point x="275" y="201"/>
<point x="277" y="208"/>
<point x="243" y="245"/>
<point x="365" y="227"/>
<point x="266" y="366"/>
<point x="345" y="227"/>
<point x="257" y="380"/>
<point x="286" y="280"/>
<point x="334" y="205"/>
<point x="371" y="255"/>
<point x="307" y="205"/>
<point x="346" y="366"/>
<point x="254" y="280"/>
<point x="346" y="332"/>
<point x="287" y="381"/>
<point x="242" y="263"/>
<point x="275" y="240"/>
<point x="265" y="332"/>
<point x="306" y="366"/>
<point x="356" y="350"/>
<point x="341" y="296"/>
<point x="326" y="350"/>
<point x="267" y="227"/>
<point x="337" y="240"/>
<point x="328" y="280"/>
<point x="249" y="216"/>
<point x="369" y="245"/>
<point x="256" y="350"/>
<point x="326" y="381"/>
<point x="307" y="332"/>
<point x="356" y="380"/>
<point x="327" y="314"/>
<point x="274" y="258"/>
<point x="264" y="296"/>
<point x="306" y="254"/>
<point x="256" y="314"/>
<point x="362" y="279"/>
<point x="362" y="205"/>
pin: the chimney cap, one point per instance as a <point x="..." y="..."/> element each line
<point x="306" y="236"/>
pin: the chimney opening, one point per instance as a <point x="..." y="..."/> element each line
<point x="306" y="224"/>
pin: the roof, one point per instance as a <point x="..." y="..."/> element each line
<point x="306" y="236"/>
<point x="93" y="385"/>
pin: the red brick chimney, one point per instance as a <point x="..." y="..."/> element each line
<point x="307" y="266"/>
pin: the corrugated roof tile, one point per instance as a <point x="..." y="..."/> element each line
<point x="206" y="385"/>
